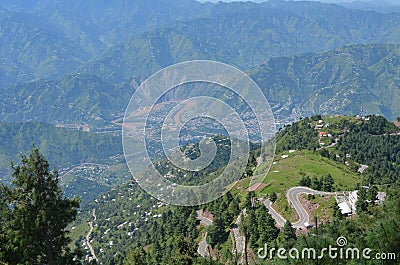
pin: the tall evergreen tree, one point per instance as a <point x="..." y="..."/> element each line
<point x="289" y="235"/>
<point x="372" y="193"/>
<point x="250" y="200"/>
<point x="36" y="215"/>
<point x="361" y="204"/>
<point x="252" y="228"/>
<point x="216" y="232"/>
<point x="135" y="256"/>
<point x="273" y="197"/>
<point x="266" y="228"/>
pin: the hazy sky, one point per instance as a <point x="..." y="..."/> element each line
<point x="394" y="2"/>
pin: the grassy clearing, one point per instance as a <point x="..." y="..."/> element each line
<point x="337" y="122"/>
<point x="78" y="231"/>
<point x="287" y="172"/>
<point x="282" y="207"/>
<point x="240" y="189"/>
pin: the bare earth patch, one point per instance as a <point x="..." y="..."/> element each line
<point x="207" y="215"/>
<point x="257" y="187"/>
<point x="311" y="207"/>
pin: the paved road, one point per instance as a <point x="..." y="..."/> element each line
<point x="202" y="249"/>
<point x="293" y="197"/>
<point x="88" y="236"/>
<point x="239" y="240"/>
<point x="333" y="144"/>
<point x="203" y="220"/>
<point x="278" y="218"/>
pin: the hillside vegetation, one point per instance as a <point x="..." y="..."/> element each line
<point x="92" y="61"/>
<point x="126" y="212"/>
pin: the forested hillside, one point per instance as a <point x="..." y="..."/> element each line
<point x="102" y="57"/>
<point x="68" y="69"/>
<point x="78" y="98"/>
<point x="137" y="227"/>
<point x="88" y="163"/>
<point x="32" y="47"/>
<point x="355" y="79"/>
<point x="349" y="80"/>
<point x="220" y="36"/>
<point x="65" y="147"/>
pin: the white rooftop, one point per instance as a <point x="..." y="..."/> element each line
<point x="344" y="208"/>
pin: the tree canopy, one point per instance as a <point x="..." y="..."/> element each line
<point x="35" y="215"/>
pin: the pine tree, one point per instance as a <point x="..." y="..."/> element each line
<point x="135" y="256"/>
<point x="327" y="183"/>
<point x="36" y="215"/>
<point x="305" y="181"/>
<point x="273" y="197"/>
<point x="157" y="255"/>
<point x="266" y="228"/>
<point x="233" y="207"/>
<point x="252" y="228"/>
<point x="216" y="232"/>
<point x="250" y="200"/>
<point x="289" y="234"/>
<point x="361" y="204"/>
<point x="184" y="251"/>
<point x="372" y="193"/>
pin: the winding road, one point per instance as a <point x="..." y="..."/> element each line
<point x="278" y="218"/>
<point x="239" y="241"/>
<point x="293" y="198"/>
<point x="202" y="249"/>
<point x="88" y="236"/>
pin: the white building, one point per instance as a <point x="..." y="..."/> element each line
<point x="344" y="208"/>
<point x="353" y="200"/>
<point x="347" y="203"/>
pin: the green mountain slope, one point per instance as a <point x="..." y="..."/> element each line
<point x="31" y="47"/>
<point x="349" y="80"/>
<point x="353" y="79"/>
<point x="45" y="38"/>
<point x="246" y="34"/>
<point x="89" y="163"/>
<point x="98" y="24"/>
<point x="129" y="217"/>
<point x="63" y="147"/>
<point x="76" y="98"/>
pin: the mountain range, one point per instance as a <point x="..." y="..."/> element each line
<point x="69" y="67"/>
<point x="354" y="79"/>
<point x="249" y="33"/>
<point x="78" y="62"/>
<point x="88" y="56"/>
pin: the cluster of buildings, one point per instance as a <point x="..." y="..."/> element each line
<point x="347" y="201"/>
